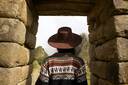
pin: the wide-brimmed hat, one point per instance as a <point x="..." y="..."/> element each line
<point x="65" y="39"/>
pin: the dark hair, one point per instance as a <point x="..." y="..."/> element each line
<point x="72" y="50"/>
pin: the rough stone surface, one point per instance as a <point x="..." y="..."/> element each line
<point x="12" y="54"/>
<point x="16" y="9"/>
<point x="30" y="41"/>
<point x="113" y="72"/>
<point x="34" y="27"/>
<point x="34" y="76"/>
<point x="92" y="53"/>
<point x="108" y="38"/>
<point x="12" y="30"/>
<point x="105" y="82"/>
<point x="11" y="76"/>
<point x="120" y="4"/>
<point x="94" y="80"/>
<point x="114" y="27"/>
<point x="100" y="12"/>
<point x="113" y="50"/>
<point x="25" y="82"/>
<point x="63" y="7"/>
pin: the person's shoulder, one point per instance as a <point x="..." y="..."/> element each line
<point x="55" y="55"/>
<point x="45" y="60"/>
<point x="80" y="60"/>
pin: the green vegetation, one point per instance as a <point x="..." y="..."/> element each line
<point x="82" y="51"/>
<point x="38" y="56"/>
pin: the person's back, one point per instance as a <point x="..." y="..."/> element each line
<point x="63" y="69"/>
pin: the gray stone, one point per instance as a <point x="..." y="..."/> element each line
<point x="12" y="30"/>
<point x="114" y="27"/>
<point x="34" y="75"/>
<point x="30" y="41"/>
<point x="11" y="76"/>
<point x="16" y="9"/>
<point x="92" y="52"/>
<point x="105" y="82"/>
<point x="34" y="27"/>
<point x="63" y="7"/>
<point x="12" y="54"/>
<point x="113" y="50"/>
<point x="101" y="11"/>
<point x="27" y="81"/>
<point x="121" y="25"/>
<point x="120" y="4"/>
<point x="111" y="71"/>
<point x="94" y="80"/>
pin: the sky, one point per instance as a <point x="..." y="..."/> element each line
<point x="48" y="26"/>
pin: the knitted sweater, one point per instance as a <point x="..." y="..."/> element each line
<point x="62" y="69"/>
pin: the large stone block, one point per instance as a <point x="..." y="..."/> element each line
<point x="34" y="27"/>
<point x="111" y="71"/>
<point x="113" y="50"/>
<point x="12" y="76"/>
<point x="12" y="30"/>
<point x="96" y="37"/>
<point x="94" y="80"/>
<point x="12" y="54"/>
<point x="105" y="82"/>
<point x="16" y="9"/>
<point x="114" y="27"/>
<point x="63" y="7"/>
<point x="30" y="41"/>
<point x="92" y="52"/>
<point x="106" y="13"/>
<point x="34" y="76"/>
<point x="121" y="7"/>
<point x="101" y="11"/>
<point x="120" y="4"/>
<point x="121" y="25"/>
<point x="27" y="81"/>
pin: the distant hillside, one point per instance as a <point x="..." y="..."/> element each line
<point x="82" y="51"/>
<point x="39" y="55"/>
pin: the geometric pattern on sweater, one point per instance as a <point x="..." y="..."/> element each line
<point x="63" y="67"/>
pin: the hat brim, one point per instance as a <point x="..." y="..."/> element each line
<point x="73" y="42"/>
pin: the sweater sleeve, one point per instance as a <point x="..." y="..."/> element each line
<point x="44" y="75"/>
<point x="81" y="74"/>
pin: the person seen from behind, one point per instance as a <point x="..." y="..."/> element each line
<point x="63" y="67"/>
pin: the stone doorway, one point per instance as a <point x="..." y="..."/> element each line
<point x="107" y="20"/>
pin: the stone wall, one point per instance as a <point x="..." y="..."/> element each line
<point x="18" y="28"/>
<point x="63" y="7"/>
<point x="108" y="36"/>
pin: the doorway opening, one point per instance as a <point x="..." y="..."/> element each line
<point x="48" y="25"/>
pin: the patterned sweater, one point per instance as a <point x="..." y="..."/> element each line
<point x="62" y="69"/>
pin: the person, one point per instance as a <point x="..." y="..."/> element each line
<point x="63" y="67"/>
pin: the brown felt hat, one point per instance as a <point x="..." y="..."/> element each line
<point x="64" y="39"/>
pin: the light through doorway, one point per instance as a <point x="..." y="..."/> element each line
<point x="48" y="25"/>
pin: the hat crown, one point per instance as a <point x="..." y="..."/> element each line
<point x="64" y="33"/>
